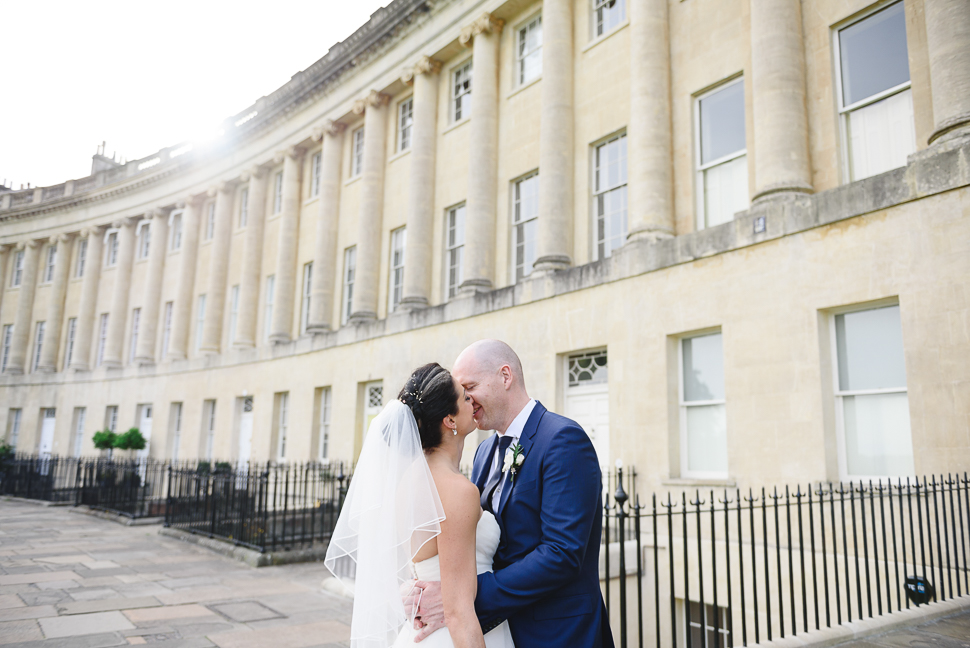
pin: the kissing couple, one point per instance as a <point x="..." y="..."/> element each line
<point x="510" y="558"/>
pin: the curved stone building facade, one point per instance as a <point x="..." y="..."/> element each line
<point x="731" y="237"/>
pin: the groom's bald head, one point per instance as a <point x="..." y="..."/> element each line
<point x="491" y="373"/>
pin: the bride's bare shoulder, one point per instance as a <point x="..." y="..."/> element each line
<point x="458" y="495"/>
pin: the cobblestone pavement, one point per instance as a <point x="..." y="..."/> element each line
<point x="71" y="580"/>
<point x="951" y="632"/>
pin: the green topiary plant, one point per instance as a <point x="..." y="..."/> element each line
<point x="130" y="440"/>
<point x="105" y="440"/>
<point x="7" y="453"/>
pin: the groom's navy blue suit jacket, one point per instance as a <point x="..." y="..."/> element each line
<point x="546" y="578"/>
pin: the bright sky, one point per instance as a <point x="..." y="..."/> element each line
<point x="145" y="75"/>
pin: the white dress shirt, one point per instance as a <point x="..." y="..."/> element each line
<point x="515" y="431"/>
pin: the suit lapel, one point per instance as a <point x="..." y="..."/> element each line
<point x="525" y="440"/>
<point x="483" y="462"/>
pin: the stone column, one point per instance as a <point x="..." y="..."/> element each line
<point x="25" y="308"/>
<point x="328" y="216"/>
<point x="556" y="177"/>
<point x="370" y="220"/>
<point x="81" y="358"/>
<point x="479" y="258"/>
<point x="145" y="353"/>
<point x="781" y="158"/>
<point x="947" y="27"/>
<point x="252" y="259"/>
<point x="55" y="307"/>
<point x="182" y="309"/>
<point x="114" y="349"/>
<point x="419" y="247"/>
<point x="4" y="258"/>
<point x="218" y="269"/>
<point x="285" y="290"/>
<point x="649" y="153"/>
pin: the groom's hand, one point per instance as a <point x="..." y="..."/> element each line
<point x="431" y="613"/>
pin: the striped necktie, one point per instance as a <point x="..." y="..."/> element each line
<point x="496" y="475"/>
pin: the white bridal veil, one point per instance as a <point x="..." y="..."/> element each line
<point x="392" y="509"/>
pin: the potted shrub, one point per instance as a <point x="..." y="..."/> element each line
<point x="131" y="440"/>
<point x="105" y="440"/>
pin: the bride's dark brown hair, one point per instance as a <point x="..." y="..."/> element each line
<point x="431" y="395"/>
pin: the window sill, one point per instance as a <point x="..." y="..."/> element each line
<point x="350" y="181"/>
<point x="457" y="124"/>
<point x="310" y="200"/>
<point x="399" y="155"/>
<point x="725" y="482"/>
<point x="590" y="45"/>
<point x="524" y="86"/>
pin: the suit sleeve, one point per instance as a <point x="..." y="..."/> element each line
<point x="571" y="482"/>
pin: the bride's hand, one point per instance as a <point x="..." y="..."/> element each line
<point x="431" y="613"/>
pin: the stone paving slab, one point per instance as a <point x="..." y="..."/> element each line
<point x="81" y="582"/>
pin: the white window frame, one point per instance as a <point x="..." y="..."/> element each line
<point x="209" y="426"/>
<point x="50" y="263"/>
<point x="307" y="292"/>
<point x="176" y="430"/>
<point x="462" y="84"/>
<point x="82" y="256"/>
<point x="723" y="633"/>
<point x="133" y="342"/>
<point x="39" y="329"/>
<point x="111" y="248"/>
<point x="71" y="334"/>
<point x="840" y="394"/>
<point x="144" y="236"/>
<point x="603" y="190"/>
<point x="282" y="424"/>
<point x="326" y="407"/>
<point x="13" y="436"/>
<point x="516" y="222"/>
<point x="5" y="349"/>
<point x="316" y="166"/>
<point x="233" y="312"/>
<point x="454" y="250"/>
<point x="598" y="31"/>
<point x="244" y="207"/>
<point x="175" y="227"/>
<point x="199" y="321"/>
<point x="17" y="273"/>
<point x="846" y="111"/>
<point x="278" y="193"/>
<point x="80" y="414"/>
<point x="395" y="271"/>
<point x="268" y="305"/>
<point x="210" y="222"/>
<point x="405" y="124"/>
<point x="357" y="152"/>
<point x="111" y="418"/>
<point x="700" y="169"/>
<point x="167" y="328"/>
<point x="349" y="276"/>
<point x="683" y="405"/>
<point x="102" y="338"/>
<point x="521" y="39"/>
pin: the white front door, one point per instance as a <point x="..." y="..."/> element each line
<point x="246" y="432"/>
<point x="46" y="446"/>
<point x="145" y="427"/>
<point x="590" y="407"/>
<point x="373" y="404"/>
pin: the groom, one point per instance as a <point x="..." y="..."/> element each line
<point x="546" y="578"/>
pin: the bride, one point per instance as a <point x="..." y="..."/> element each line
<point x="410" y="514"/>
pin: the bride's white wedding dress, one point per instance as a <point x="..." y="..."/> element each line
<point x="487" y="536"/>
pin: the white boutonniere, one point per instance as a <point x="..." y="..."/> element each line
<point x="513" y="461"/>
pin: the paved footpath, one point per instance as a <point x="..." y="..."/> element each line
<point x="951" y="632"/>
<point x="70" y="580"/>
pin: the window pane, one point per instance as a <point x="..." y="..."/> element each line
<point x="707" y="439"/>
<point x="725" y="190"/>
<point x="877" y="435"/>
<point x="722" y="122"/>
<point x="703" y="368"/>
<point x="874" y="55"/>
<point x="881" y="135"/>
<point x="870" y="349"/>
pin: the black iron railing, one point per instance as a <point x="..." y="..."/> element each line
<point x="265" y="507"/>
<point x="733" y="568"/>
<point x="134" y="488"/>
<point x="47" y="478"/>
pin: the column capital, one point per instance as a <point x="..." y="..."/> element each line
<point x="294" y="152"/>
<point x="93" y="230"/>
<point x="329" y="127"/>
<point x="425" y="65"/>
<point x="483" y="24"/>
<point x="374" y="99"/>
<point x="31" y="243"/>
<point x="158" y="212"/>
<point x="63" y="237"/>
<point x="127" y="221"/>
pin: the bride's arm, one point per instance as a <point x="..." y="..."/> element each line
<point x="456" y="553"/>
